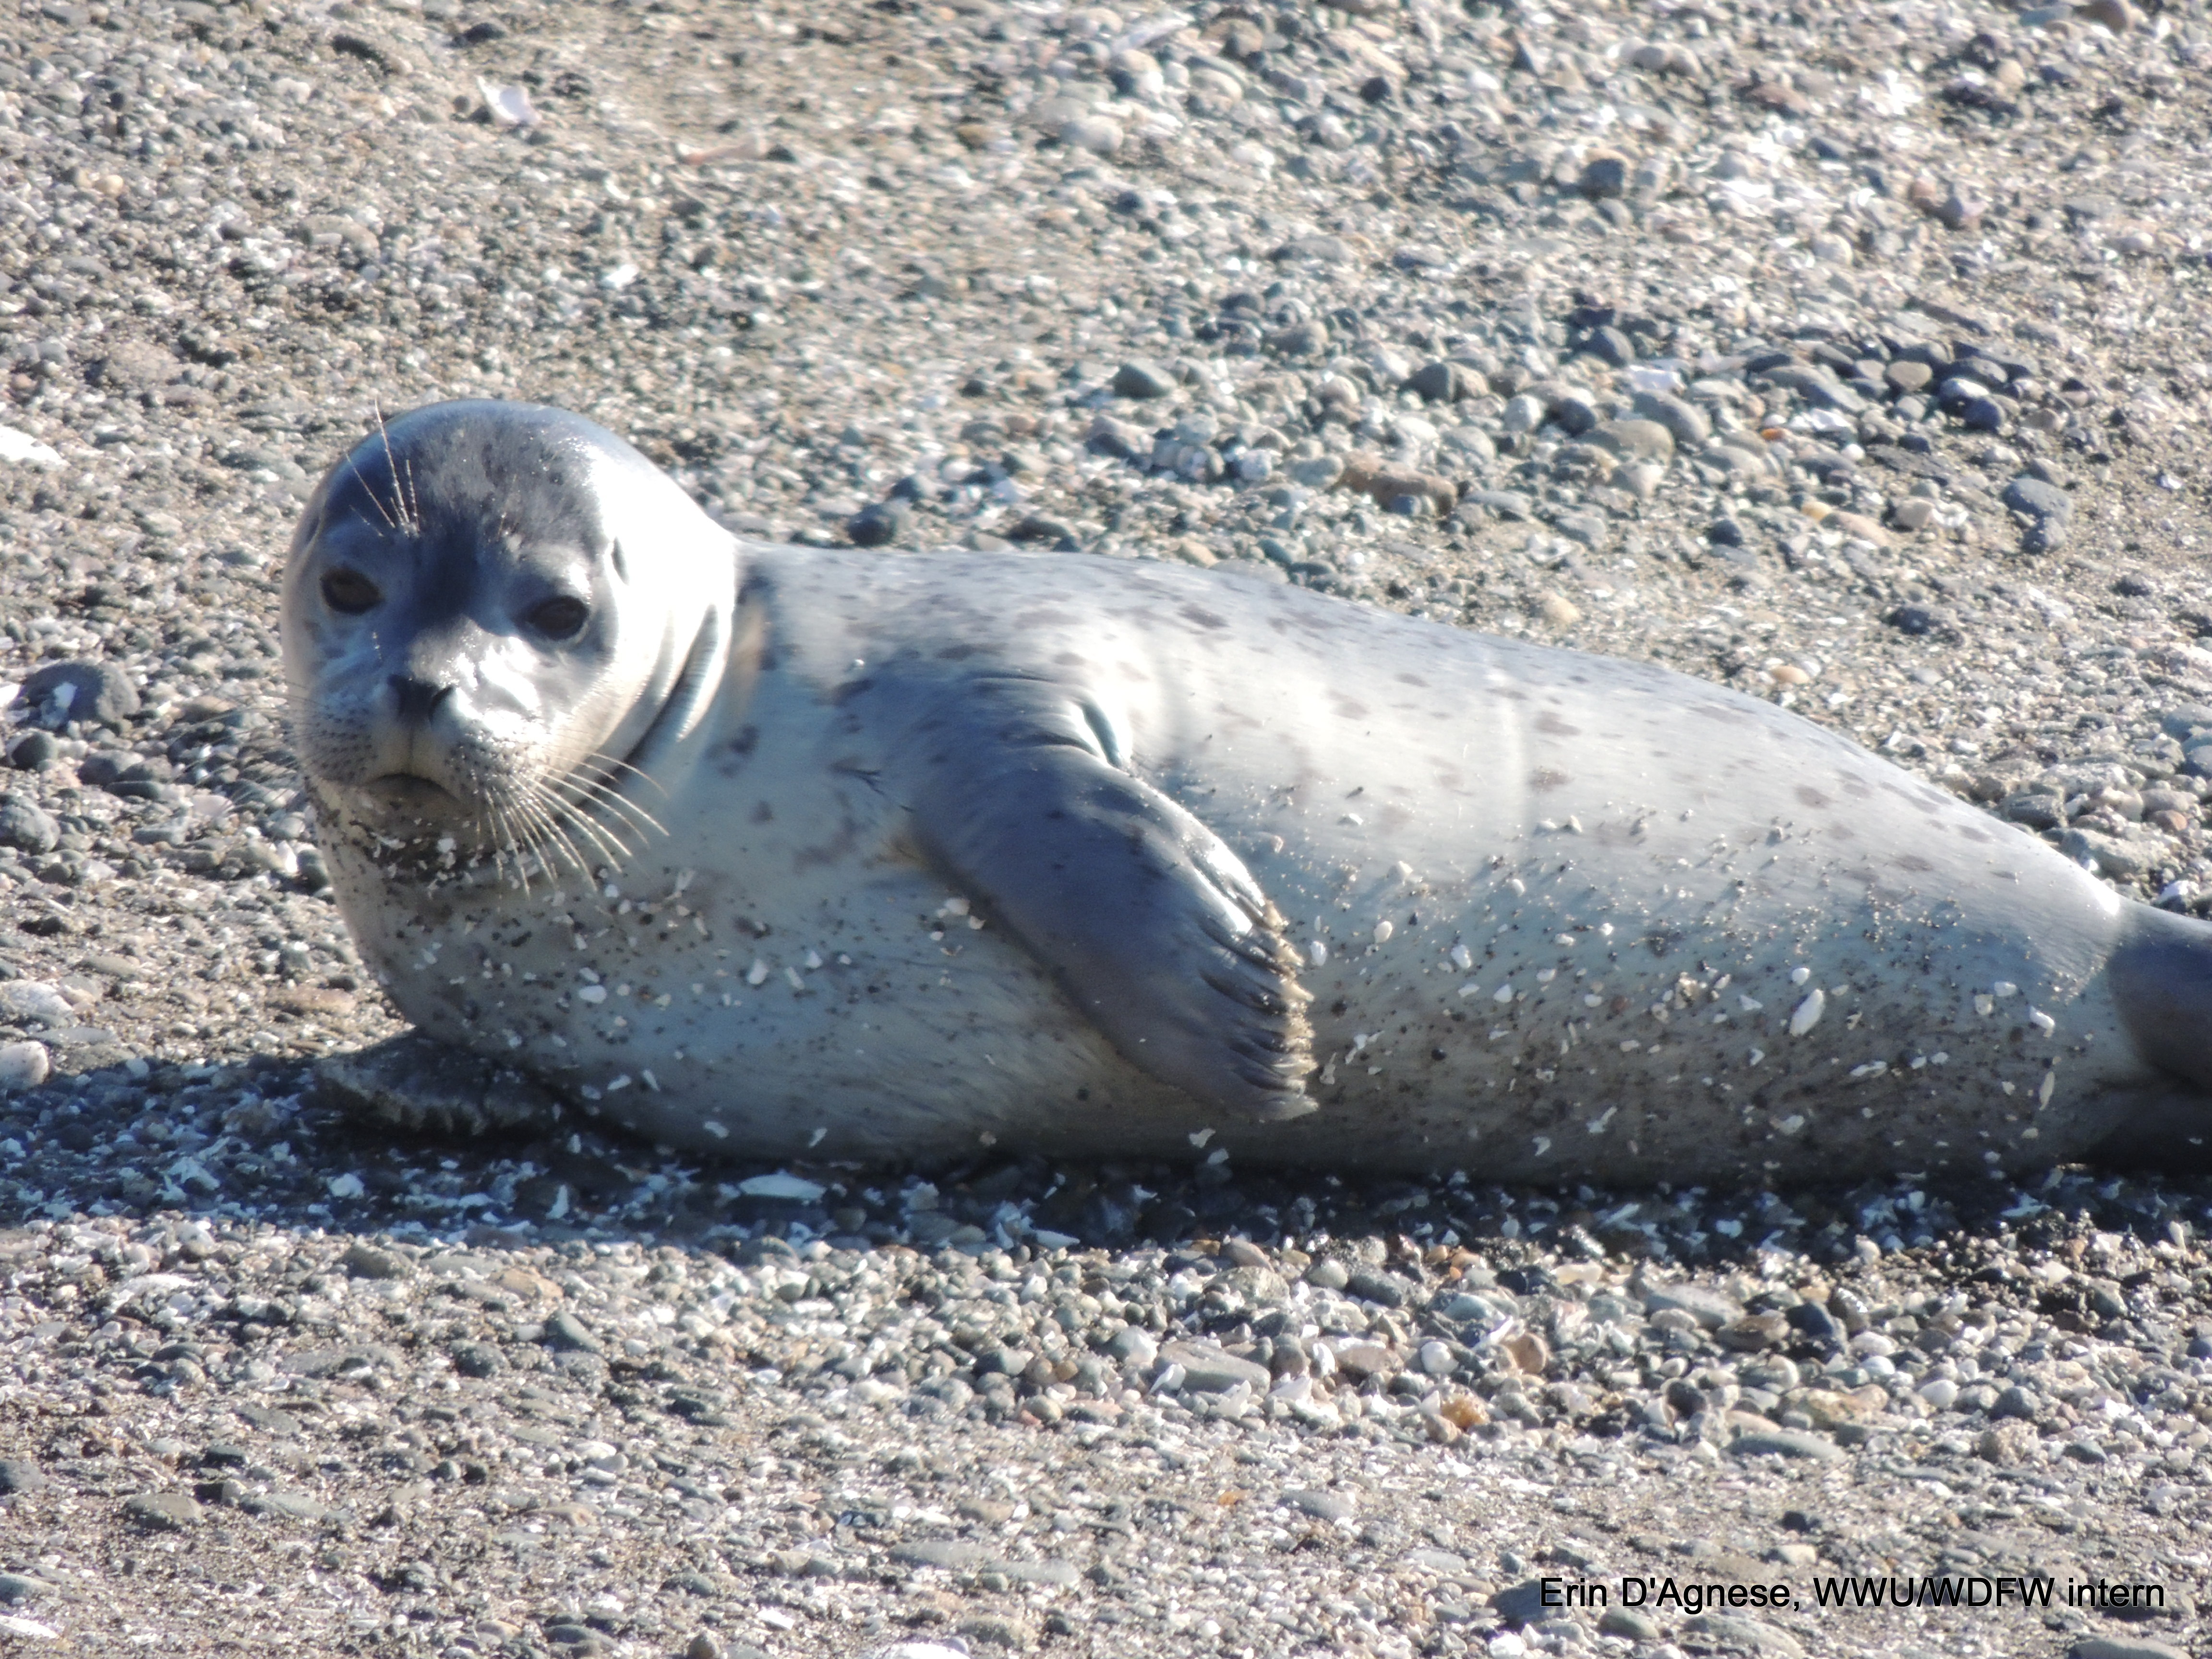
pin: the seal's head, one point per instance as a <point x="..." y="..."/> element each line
<point x="496" y="616"/>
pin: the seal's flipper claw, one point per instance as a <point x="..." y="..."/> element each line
<point x="1152" y="925"/>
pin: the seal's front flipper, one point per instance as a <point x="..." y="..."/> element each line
<point x="1155" y="928"/>
<point x="418" y="1083"/>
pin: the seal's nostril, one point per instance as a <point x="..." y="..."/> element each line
<point x="418" y="699"/>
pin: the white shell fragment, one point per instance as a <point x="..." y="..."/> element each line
<point x="1807" y="1012"/>
<point x="25" y="450"/>
<point x="782" y="1184"/>
<point x="509" y="106"/>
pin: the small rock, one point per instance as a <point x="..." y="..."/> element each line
<point x="2046" y="510"/>
<point x="2122" y="1647"/>
<point x="1628" y="1623"/>
<point x="1524" y="1603"/>
<point x="35" y="1000"/>
<point x="2125" y="861"/>
<point x="1749" y="1634"/>
<point x="1527" y="1351"/>
<point x="1213" y="1370"/>
<point x="1319" y="250"/>
<point x="1559" y="610"/>
<point x="997" y="1629"/>
<point x="1786" y="1443"/>
<point x="1637" y="440"/>
<point x="477" y="1359"/>
<point x="1300" y="340"/>
<point x="1323" y="1506"/>
<point x="1328" y="1274"/>
<point x="164" y="1511"/>
<point x="1817" y="386"/>
<point x="1753" y="1332"/>
<point x="1444" y="382"/>
<point x="1815" y="1322"/>
<point x="1710" y="1308"/>
<point x="1990" y="414"/>
<point x="19" y="1474"/>
<point x="90" y="692"/>
<point x="1604" y="176"/>
<point x="1095" y="133"/>
<point x="1682" y="418"/>
<point x="1119" y="439"/>
<point x="566" y="1332"/>
<point x="1388" y="484"/>
<point x="1140" y="378"/>
<point x="1387" y="1289"/>
<point x="879" y="523"/>
<point x="370" y="47"/>
<point x="1361" y="1360"/>
<point x="1611" y="345"/>
<point x="365" y="1261"/>
<point x="1859" y="527"/>
<point x="1133" y="1344"/>
<point x="1915" y="621"/>
<point x="703" y="1646"/>
<point x="1523" y="413"/>
<point x="25" y="827"/>
<point x="33" y="750"/>
<point x="1510" y="504"/>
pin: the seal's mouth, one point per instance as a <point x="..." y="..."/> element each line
<point x="403" y="797"/>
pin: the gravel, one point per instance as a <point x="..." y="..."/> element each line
<point x="1852" y="356"/>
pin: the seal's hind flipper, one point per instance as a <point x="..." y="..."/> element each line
<point x="2162" y="976"/>
<point x="1153" y="926"/>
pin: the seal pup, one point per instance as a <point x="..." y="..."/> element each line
<point x="783" y="851"/>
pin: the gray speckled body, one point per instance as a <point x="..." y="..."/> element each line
<point x="955" y="851"/>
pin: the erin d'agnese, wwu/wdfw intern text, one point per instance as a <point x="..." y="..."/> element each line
<point x="1692" y="1596"/>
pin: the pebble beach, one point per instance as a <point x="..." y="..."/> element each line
<point x="1856" y="357"/>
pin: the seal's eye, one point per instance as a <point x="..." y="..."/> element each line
<point x="349" y="593"/>
<point x="562" y="618"/>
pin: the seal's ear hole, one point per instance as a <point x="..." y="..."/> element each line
<point x="349" y="593"/>
<point x="561" y="618"/>
<point x="621" y="564"/>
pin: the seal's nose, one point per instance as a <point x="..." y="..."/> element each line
<point x="418" y="700"/>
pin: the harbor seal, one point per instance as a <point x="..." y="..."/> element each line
<point x="780" y="851"/>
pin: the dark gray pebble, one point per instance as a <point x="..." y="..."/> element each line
<point x="879" y="523"/>
<point x="25" y="827"/>
<point x="2047" y="510"/>
<point x="89" y="693"/>
<point x="566" y="1332"/>
<point x="1140" y="378"/>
